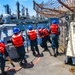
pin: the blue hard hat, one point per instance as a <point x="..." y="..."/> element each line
<point x="39" y="27"/>
<point x="16" y="30"/>
<point x="54" y="22"/>
<point x="43" y="27"/>
<point x="30" y="27"/>
<point x="2" y="41"/>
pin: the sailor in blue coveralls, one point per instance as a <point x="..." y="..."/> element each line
<point x="55" y="31"/>
<point x="2" y="58"/>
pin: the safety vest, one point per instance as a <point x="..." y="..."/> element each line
<point x="32" y="34"/>
<point x="54" y="29"/>
<point x="40" y="32"/>
<point x="45" y="32"/>
<point x="2" y="47"/>
<point x="17" y="40"/>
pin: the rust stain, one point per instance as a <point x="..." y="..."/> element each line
<point x="72" y="69"/>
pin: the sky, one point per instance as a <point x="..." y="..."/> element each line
<point x="26" y="3"/>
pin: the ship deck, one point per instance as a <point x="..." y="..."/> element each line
<point x="44" y="65"/>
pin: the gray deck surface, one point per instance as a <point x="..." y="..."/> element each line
<point x="46" y="65"/>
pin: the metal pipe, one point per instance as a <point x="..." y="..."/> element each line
<point x="18" y="10"/>
<point x="7" y="9"/>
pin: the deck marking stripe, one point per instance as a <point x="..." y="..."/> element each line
<point x="36" y="61"/>
<point x="13" y="69"/>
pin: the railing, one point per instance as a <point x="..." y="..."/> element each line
<point x="67" y="6"/>
<point x="47" y="12"/>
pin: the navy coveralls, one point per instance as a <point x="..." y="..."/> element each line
<point x="21" y="52"/>
<point x="2" y="61"/>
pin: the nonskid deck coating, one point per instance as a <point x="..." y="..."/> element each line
<point x="44" y="65"/>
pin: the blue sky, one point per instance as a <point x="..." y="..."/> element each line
<point x="12" y="3"/>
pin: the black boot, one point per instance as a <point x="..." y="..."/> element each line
<point x="57" y="51"/>
<point x="55" y="54"/>
<point x="38" y="54"/>
<point x="34" y="54"/>
<point x="25" y="61"/>
<point x="46" y="49"/>
<point x="21" y="64"/>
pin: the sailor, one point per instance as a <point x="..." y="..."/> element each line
<point x="17" y="40"/>
<point x="55" y="31"/>
<point x="46" y="33"/>
<point x="44" y="39"/>
<point x="40" y="34"/>
<point x="2" y="58"/>
<point x="33" y="40"/>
